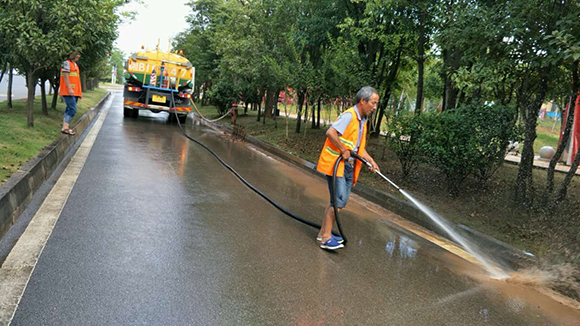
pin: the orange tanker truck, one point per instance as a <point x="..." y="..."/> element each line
<point x="158" y="81"/>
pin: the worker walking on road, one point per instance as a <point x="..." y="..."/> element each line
<point x="347" y="133"/>
<point x="70" y="89"/>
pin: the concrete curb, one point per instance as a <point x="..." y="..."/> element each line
<point x="513" y="257"/>
<point x="18" y="191"/>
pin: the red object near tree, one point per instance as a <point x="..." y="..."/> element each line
<point x="574" y="140"/>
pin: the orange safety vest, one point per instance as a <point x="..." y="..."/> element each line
<point x="74" y="79"/>
<point x="330" y="153"/>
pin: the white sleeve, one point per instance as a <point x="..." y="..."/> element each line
<point x="342" y="122"/>
<point x="66" y="66"/>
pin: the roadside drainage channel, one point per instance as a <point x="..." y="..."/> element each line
<point x="18" y="191"/>
<point x="515" y="258"/>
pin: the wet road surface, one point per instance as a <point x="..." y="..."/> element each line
<point x="156" y="231"/>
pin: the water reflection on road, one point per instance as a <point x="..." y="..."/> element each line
<point x="235" y="259"/>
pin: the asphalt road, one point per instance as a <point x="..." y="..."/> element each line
<point x="157" y="232"/>
<point x="19" y="90"/>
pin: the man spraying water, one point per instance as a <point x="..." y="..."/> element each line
<point x="347" y="133"/>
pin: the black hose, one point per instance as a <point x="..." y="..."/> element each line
<point x="334" y="198"/>
<point x="271" y="201"/>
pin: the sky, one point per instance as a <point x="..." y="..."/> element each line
<point x="155" y="19"/>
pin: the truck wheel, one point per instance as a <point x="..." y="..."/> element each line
<point x="182" y="118"/>
<point x="127" y="112"/>
<point x="135" y="113"/>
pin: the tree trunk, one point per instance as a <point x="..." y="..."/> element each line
<point x="313" y="124"/>
<point x="3" y="71"/>
<point x="246" y="108"/>
<point x="382" y="108"/>
<point x="264" y="113"/>
<point x="43" y="97"/>
<point x="286" y="111"/>
<point x="84" y="82"/>
<point x="55" y="93"/>
<point x="393" y="71"/>
<point x="420" y="63"/>
<point x="203" y="99"/>
<point x="566" y="134"/>
<point x="451" y="61"/>
<point x="525" y="191"/>
<point x="571" y="173"/>
<point x="9" y="91"/>
<point x="318" y="114"/>
<point x="301" y="95"/>
<point x="306" y="117"/>
<point x="271" y="99"/>
<point x="31" y="84"/>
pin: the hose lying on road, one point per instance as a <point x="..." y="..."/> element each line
<point x="244" y="181"/>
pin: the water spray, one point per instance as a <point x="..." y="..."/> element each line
<point x="494" y="271"/>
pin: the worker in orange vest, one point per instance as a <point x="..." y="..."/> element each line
<point x="70" y="89"/>
<point x="347" y="133"/>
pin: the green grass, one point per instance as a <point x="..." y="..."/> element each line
<point x="110" y="85"/>
<point x="549" y="125"/>
<point x="548" y="132"/>
<point x="545" y="139"/>
<point x="19" y="143"/>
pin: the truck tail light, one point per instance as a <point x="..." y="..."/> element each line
<point x="184" y="95"/>
<point x="133" y="89"/>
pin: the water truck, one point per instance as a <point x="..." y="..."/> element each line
<point x="158" y="81"/>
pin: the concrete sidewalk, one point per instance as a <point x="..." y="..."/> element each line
<point x="539" y="163"/>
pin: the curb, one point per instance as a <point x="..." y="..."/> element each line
<point x="515" y="258"/>
<point x="18" y="191"/>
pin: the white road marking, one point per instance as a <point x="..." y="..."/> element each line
<point x="20" y="263"/>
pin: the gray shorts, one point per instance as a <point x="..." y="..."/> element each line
<point x="343" y="186"/>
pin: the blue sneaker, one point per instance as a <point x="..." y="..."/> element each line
<point x="338" y="238"/>
<point x="331" y="244"/>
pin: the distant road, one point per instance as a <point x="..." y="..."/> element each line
<point x="19" y="89"/>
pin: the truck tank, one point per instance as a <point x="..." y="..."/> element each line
<point x="158" y="81"/>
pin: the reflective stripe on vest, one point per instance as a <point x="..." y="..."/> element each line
<point x="330" y="153"/>
<point x="73" y="79"/>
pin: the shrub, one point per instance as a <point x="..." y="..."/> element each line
<point x="447" y="145"/>
<point x="222" y="95"/>
<point x="470" y="140"/>
<point x="403" y="138"/>
<point x="494" y="127"/>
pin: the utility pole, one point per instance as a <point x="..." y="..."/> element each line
<point x="114" y="73"/>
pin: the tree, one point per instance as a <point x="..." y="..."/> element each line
<point x="537" y="59"/>
<point x="567" y="40"/>
<point x="41" y="33"/>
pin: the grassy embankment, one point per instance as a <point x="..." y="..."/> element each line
<point x="18" y="143"/>
<point x="548" y="134"/>
<point x="489" y="209"/>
